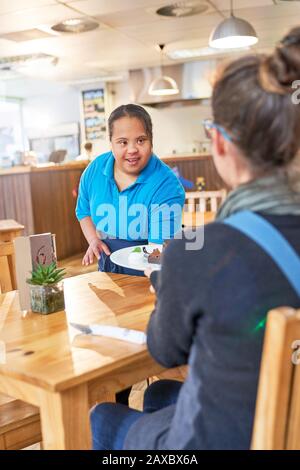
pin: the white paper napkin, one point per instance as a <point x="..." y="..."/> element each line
<point x="125" y="334"/>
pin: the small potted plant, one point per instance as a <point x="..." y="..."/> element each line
<point x="46" y="289"/>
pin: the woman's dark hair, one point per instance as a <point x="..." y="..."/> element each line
<point x="132" y="111"/>
<point x="252" y="100"/>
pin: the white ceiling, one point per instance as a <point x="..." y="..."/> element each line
<point x="129" y="31"/>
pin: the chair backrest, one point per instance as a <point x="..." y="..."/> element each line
<point x="205" y="201"/>
<point x="277" y="414"/>
<point x="7" y="267"/>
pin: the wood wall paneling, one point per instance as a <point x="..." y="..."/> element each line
<point x="15" y="200"/>
<point x="192" y="167"/>
<point x="54" y="205"/>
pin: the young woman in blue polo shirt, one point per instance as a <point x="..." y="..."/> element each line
<point x="127" y="196"/>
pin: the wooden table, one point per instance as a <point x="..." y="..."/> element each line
<point x="50" y="365"/>
<point x="10" y="229"/>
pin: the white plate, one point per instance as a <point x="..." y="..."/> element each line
<point x="120" y="257"/>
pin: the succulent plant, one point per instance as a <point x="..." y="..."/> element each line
<point x="46" y="275"/>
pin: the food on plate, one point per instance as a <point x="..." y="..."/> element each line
<point x="136" y="256"/>
<point x="154" y="257"/>
<point x="150" y="254"/>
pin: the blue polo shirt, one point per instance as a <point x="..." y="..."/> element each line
<point x="149" y="209"/>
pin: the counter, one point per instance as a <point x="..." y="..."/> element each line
<point x="43" y="199"/>
<point x="21" y="169"/>
<point x="186" y="156"/>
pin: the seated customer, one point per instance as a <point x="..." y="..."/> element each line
<point x="212" y="303"/>
<point x="87" y="152"/>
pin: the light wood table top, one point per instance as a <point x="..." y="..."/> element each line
<point x="10" y="225"/>
<point x="9" y="230"/>
<point x="51" y="366"/>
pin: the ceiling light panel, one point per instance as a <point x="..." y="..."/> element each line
<point x="26" y="35"/>
<point x="15" y="62"/>
<point x="185" y="54"/>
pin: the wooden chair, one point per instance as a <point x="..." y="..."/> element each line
<point x="207" y="201"/>
<point x="19" y="424"/>
<point x="19" y="421"/>
<point x="6" y="267"/>
<point x="277" y="415"/>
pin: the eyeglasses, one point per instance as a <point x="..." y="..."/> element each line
<point x="208" y="125"/>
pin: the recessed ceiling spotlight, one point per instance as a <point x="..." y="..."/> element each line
<point x="180" y="9"/>
<point x="75" y="25"/>
<point x="72" y="22"/>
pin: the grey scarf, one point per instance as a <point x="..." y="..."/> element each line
<point x="270" y="194"/>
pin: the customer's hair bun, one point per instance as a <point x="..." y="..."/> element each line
<point x="278" y="71"/>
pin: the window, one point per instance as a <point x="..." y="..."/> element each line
<point x="11" y="132"/>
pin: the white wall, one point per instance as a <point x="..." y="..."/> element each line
<point x="60" y="106"/>
<point x="175" y="127"/>
<point x="47" y="105"/>
<point x="178" y="129"/>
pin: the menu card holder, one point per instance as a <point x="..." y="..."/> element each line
<point x="30" y="251"/>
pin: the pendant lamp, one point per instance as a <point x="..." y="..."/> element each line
<point x="163" y="85"/>
<point x="233" y="33"/>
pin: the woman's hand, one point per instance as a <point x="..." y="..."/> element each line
<point x="147" y="273"/>
<point x="95" y="248"/>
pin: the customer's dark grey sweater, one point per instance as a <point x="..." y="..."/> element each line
<point x="210" y="313"/>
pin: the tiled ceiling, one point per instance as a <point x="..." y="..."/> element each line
<point x="128" y="31"/>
